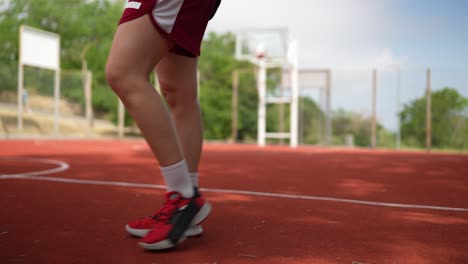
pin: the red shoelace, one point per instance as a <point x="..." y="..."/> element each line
<point x="163" y="215"/>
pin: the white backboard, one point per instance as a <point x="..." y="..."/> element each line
<point x="272" y="43"/>
<point x="312" y="79"/>
<point x="39" y="48"/>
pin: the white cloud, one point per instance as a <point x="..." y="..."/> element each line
<point x="331" y="33"/>
<point x="345" y="36"/>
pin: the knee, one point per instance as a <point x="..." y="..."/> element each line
<point x="112" y="75"/>
<point x="169" y="97"/>
<point x="180" y="99"/>
<point x="125" y="85"/>
<point x="169" y="94"/>
<point x="117" y="78"/>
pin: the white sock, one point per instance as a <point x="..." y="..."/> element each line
<point x="194" y="177"/>
<point x="177" y="179"/>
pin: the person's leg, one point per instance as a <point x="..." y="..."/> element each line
<point x="137" y="47"/>
<point x="178" y="80"/>
<point x="177" y="76"/>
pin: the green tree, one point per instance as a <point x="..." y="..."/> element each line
<point x="350" y="123"/>
<point x="313" y="122"/>
<point x="356" y="124"/>
<point x="216" y="66"/>
<point x="449" y="120"/>
<point x="83" y="26"/>
<point x="80" y="23"/>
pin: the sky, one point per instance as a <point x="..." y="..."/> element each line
<point x="401" y="38"/>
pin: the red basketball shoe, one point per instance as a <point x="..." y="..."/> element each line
<point x="178" y="219"/>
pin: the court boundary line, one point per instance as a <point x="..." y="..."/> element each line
<point x="62" y="166"/>
<point x="240" y="192"/>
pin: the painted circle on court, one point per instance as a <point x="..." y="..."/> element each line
<point x="12" y="167"/>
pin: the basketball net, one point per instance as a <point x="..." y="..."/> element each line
<point x="259" y="51"/>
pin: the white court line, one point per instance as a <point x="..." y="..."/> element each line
<point x="249" y="193"/>
<point x="62" y="166"/>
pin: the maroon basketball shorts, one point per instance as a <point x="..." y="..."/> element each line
<point x="182" y="21"/>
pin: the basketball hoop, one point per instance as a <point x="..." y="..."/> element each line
<point x="260" y="55"/>
<point x="269" y="49"/>
<point x="268" y="45"/>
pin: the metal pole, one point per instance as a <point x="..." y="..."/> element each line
<point x="235" y="102"/>
<point x="428" y="111"/>
<point x="398" y="139"/>
<point x="20" y="97"/>
<point x="121" y="122"/>
<point x="57" y="92"/>
<point x="261" y="84"/>
<point x="301" y="121"/>
<point x="20" y="85"/>
<point x="88" y="104"/>
<point x="321" y="124"/>
<point x="294" y="115"/>
<point x="374" y="118"/>
<point x="56" y="102"/>
<point x="281" y="116"/>
<point x="328" y="106"/>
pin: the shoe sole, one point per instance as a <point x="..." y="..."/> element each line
<point x="197" y="220"/>
<point x="161" y="245"/>
<point x="194" y="231"/>
<point x="201" y="215"/>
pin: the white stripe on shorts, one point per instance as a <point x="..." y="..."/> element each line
<point x="165" y="13"/>
<point x="134" y="5"/>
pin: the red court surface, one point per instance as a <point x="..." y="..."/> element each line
<point x="68" y="201"/>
